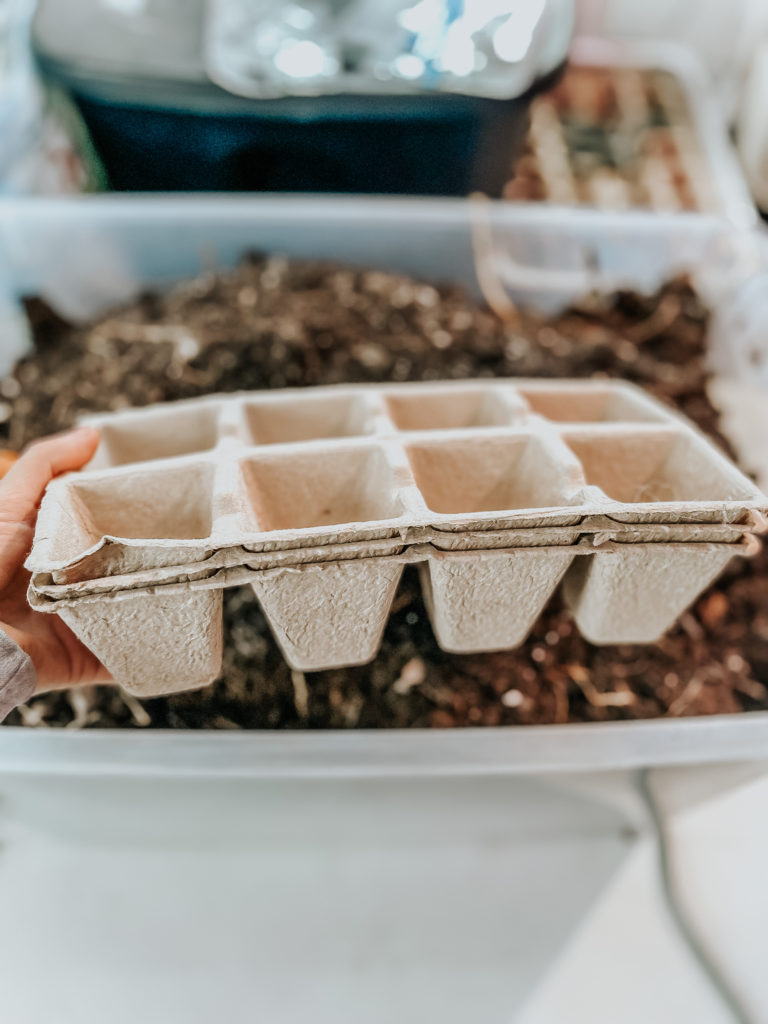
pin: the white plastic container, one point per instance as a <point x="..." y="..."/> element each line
<point x="378" y="858"/>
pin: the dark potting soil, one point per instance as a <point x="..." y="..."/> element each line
<point x="273" y="324"/>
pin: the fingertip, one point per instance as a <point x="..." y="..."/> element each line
<point x="60" y="453"/>
<point x="78" y="443"/>
<point x="86" y="435"/>
<point x="22" y="487"/>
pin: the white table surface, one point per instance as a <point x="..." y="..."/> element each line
<point x="93" y="935"/>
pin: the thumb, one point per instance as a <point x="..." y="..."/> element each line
<point x="22" y="488"/>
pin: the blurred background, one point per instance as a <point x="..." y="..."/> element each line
<point x="388" y="97"/>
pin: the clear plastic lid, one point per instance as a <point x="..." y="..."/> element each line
<point x="261" y="49"/>
<point x="491" y="48"/>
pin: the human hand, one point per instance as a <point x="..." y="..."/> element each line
<point x="60" y="659"/>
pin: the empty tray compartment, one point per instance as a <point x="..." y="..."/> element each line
<point x="491" y="474"/>
<point x="658" y="466"/>
<point x="634" y="593"/>
<point x="490" y="600"/>
<point x="590" y="404"/>
<point x="452" y="408"/>
<point x="305" y="418"/>
<point x="173" y="504"/>
<point x="320" y="488"/>
<point x="156" y="434"/>
<point x="153" y="643"/>
<point x="332" y="614"/>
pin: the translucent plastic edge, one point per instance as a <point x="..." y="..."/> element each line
<point x="510" y="750"/>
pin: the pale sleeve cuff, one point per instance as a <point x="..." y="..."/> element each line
<point x="18" y="677"/>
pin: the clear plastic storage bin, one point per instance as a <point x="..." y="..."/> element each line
<point x="86" y="254"/>
<point x="472" y="852"/>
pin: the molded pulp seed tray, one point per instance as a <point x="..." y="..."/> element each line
<point x="632" y="125"/>
<point x="318" y="497"/>
<point x="116" y="247"/>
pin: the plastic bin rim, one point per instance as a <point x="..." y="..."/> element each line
<point x="510" y="750"/>
<point x="277" y="205"/>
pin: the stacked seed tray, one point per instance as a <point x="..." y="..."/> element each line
<point x="615" y="138"/>
<point x="318" y="497"/>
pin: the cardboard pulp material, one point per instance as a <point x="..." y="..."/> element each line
<point x="317" y="498"/>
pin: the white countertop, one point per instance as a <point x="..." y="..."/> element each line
<point x="89" y="935"/>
